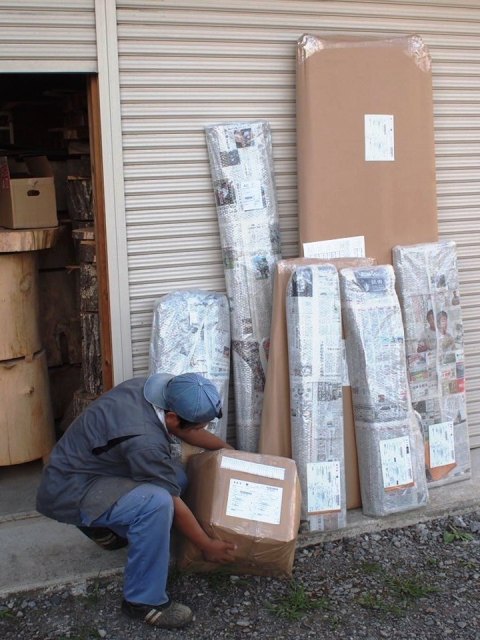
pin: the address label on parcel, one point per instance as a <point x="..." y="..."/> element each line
<point x="254" y="468"/>
<point x="254" y="501"/>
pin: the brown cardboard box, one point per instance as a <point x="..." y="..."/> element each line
<point x="275" y="434"/>
<point x="27" y="194"/>
<point x="356" y="175"/>
<point x="250" y="499"/>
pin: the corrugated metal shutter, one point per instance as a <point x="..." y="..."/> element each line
<point x="48" y="36"/>
<point x="186" y="64"/>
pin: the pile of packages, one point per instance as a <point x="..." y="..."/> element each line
<point x="348" y="370"/>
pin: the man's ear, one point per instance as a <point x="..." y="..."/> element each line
<point x="172" y="421"/>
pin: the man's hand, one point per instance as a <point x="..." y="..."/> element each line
<point x="219" y="551"/>
<point x="212" y="550"/>
<point x="201" y="438"/>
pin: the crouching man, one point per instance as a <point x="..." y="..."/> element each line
<point x="112" y="475"/>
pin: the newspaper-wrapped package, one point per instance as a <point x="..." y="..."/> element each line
<point x="275" y="430"/>
<point x="241" y="163"/>
<point x="392" y="466"/>
<point x="389" y="440"/>
<point x="191" y="332"/>
<point x="315" y="351"/>
<point x="428" y="288"/>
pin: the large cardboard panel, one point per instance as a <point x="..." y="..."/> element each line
<point x="275" y="432"/>
<point x="373" y="176"/>
<point x="249" y="499"/>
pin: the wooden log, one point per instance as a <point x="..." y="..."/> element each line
<point x="19" y="312"/>
<point x="81" y="400"/>
<point x="88" y="288"/>
<point x="62" y="253"/>
<point x="91" y="353"/>
<point x="87" y="251"/>
<point x="80" y="198"/>
<point x="27" y="429"/>
<point x="14" y="240"/>
<point x="64" y="381"/>
<point x="81" y="233"/>
<point x="59" y="316"/>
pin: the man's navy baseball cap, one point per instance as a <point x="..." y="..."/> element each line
<point x="189" y="395"/>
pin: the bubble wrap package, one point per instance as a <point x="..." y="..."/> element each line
<point x="241" y="164"/>
<point x="191" y="332"/>
<point x="389" y="440"/>
<point x="314" y="328"/>
<point x="427" y="283"/>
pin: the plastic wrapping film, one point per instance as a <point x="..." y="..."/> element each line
<point x="389" y="440"/>
<point x="413" y="45"/>
<point x="191" y="332"/>
<point x="315" y="350"/>
<point x="249" y="499"/>
<point x="241" y="163"/>
<point x="427" y="283"/>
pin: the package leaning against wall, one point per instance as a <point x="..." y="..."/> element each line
<point x="427" y="280"/>
<point x="389" y="440"/>
<point x="316" y="365"/>
<point x="191" y="332"/>
<point x="241" y="163"/>
<point x="365" y="141"/>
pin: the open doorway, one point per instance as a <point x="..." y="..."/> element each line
<point x="56" y="116"/>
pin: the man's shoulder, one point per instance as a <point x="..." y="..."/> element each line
<point x="133" y="384"/>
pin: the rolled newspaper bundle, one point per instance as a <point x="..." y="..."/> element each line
<point x="191" y="332"/>
<point x="241" y="164"/>
<point x="389" y="441"/>
<point x="428" y="287"/>
<point x="314" y="327"/>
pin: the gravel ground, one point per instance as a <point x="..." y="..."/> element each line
<point x="420" y="582"/>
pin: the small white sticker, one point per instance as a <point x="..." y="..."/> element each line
<point x="379" y="138"/>
<point x="396" y="460"/>
<point x="323" y="486"/>
<point x="253" y="468"/>
<point x="251" y="193"/>
<point x="441" y="443"/>
<point x="254" y="501"/>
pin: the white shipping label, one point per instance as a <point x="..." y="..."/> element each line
<point x="396" y="460"/>
<point x="338" y="248"/>
<point x="441" y="443"/>
<point x="323" y="486"/>
<point x="254" y="468"/>
<point x="251" y="193"/>
<point x="379" y="138"/>
<point x="254" y="501"/>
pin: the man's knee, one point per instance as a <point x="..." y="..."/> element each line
<point x="154" y="498"/>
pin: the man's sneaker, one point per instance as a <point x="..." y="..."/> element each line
<point x="104" y="537"/>
<point x="170" y="615"/>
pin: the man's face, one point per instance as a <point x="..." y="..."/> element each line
<point x="431" y="321"/>
<point x="174" y="424"/>
<point x="195" y="427"/>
